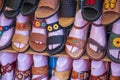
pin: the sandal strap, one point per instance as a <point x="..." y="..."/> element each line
<point x="38" y="37"/>
<point x="99" y="47"/>
<point x="40" y="70"/>
<point x="39" y="24"/>
<point x="8" y="68"/>
<point x="97" y="25"/>
<point x="22" y="75"/>
<point x="49" y="3"/>
<point x="41" y="77"/>
<point x="30" y="1"/>
<point x="101" y="77"/>
<point x="64" y="75"/>
<point x="75" y="42"/>
<point x="114" y="77"/>
<point x="23" y="26"/>
<point x="20" y="39"/>
<point x="80" y="75"/>
<point x="82" y="26"/>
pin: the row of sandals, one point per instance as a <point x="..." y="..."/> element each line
<point x="37" y="67"/>
<point x="49" y="28"/>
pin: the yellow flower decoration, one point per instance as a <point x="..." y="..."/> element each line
<point x="49" y="28"/>
<point x="110" y="4"/>
<point x="37" y="24"/>
<point x="116" y="42"/>
<point x="55" y="26"/>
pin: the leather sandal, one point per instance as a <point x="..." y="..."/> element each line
<point x="101" y="51"/>
<point x="21" y="38"/>
<point x="8" y="68"/>
<point x="2" y="4"/>
<point x="22" y="75"/>
<point x="40" y="24"/>
<point x="75" y="42"/>
<point x="40" y="71"/>
<point x="114" y="77"/>
<point x="80" y="76"/>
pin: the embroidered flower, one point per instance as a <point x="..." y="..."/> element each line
<point x="110" y="4"/>
<point x="116" y="42"/>
<point x="37" y="24"/>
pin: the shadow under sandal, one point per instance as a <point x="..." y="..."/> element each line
<point x="19" y="38"/>
<point x="13" y="8"/>
<point x="56" y="39"/>
<point x="38" y="37"/>
<point x="28" y="7"/>
<point x="92" y="9"/>
<point x="114" y="44"/>
<point x="40" y="71"/>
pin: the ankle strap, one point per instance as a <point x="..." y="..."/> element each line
<point x="82" y="26"/>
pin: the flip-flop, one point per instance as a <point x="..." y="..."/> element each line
<point x="6" y="28"/>
<point x="28" y="7"/>
<point x="111" y="11"/>
<point x="56" y="39"/>
<point x="47" y="8"/>
<point x="67" y="12"/>
<point x="92" y="9"/>
<point x="75" y="42"/>
<point x="14" y="6"/>
<point x="114" y="44"/>
<point x="21" y="38"/>
<point x="2" y="3"/>
<point x="38" y="37"/>
<point x="100" y="53"/>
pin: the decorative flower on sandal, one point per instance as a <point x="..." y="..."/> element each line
<point x="110" y="4"/>
<point x="116" y="42"/>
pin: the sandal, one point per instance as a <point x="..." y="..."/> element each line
<point x="80" y="76"/>
<point x="56" y="38"/>
<point x="63" y="75"/>
<point x="101" y="51"/>
<point x="114" y="44"/>
<point x="40" y="71"/>
<point x="8" y="68"/>
<point x="67" y="12"/>
<point x="75" y="42"/>
<point x="92" y="9"/>
<point x="38" y="37"/>
<point x="111" y="11"/>
<point x="28" y="7"/>
<point x="22" y="75"/>
<point x="6" y="28"/>
<point x="21" y="38"/>
<point x="14" y="6"/>
<point x="47" y="8"/>
<point x="114" y="77"/>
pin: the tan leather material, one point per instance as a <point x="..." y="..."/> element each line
<point x="40" y="70"/>
<point x="8" y="68"/>
<point x="101" y="77"/>
<point x="41" y="77"/>
<point x="64" y="75"/>
<point x="81" y="75"/>
<point x="20" y="39"/>
<point x="114" y="77"/>
<point x="22" y="75"/>
<point x="23" y="26"/>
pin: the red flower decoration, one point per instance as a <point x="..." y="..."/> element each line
<point x="90" y="2"/>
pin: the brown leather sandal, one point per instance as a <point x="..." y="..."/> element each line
<point x="100" y="53"/>
<point x="64" y="75"/>
<point x="40" y="71"/>
<point x="8" y="68"/>
<point x="40" y="24"/>
<point x="21" y="38"/>
<point x="114" y="77"/>
<point x="75" y="42"/>
<point x="82" y="75"/>
<point x="101" y="77"/>
<point x="22" y="75"/>
<point x="47" y="8"/>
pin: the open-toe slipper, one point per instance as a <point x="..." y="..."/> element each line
<point x="2" y="3"/>
<point x="47" y="8"/>
<point x="75" y="42"/>
<point x="18" y="38"/>
<point x="101" y="50"/>
<point x="92" y="9"/>
<point x="111" y="11"/>
<point x="14" y="6"/>
<point x="56" y="39"/>
<point x="28" y="7"/>
<point x="114" y="44"/>
<point x="6" y="28"/>
<point x="67" y="12"/>
<point x="38" y="37"/>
